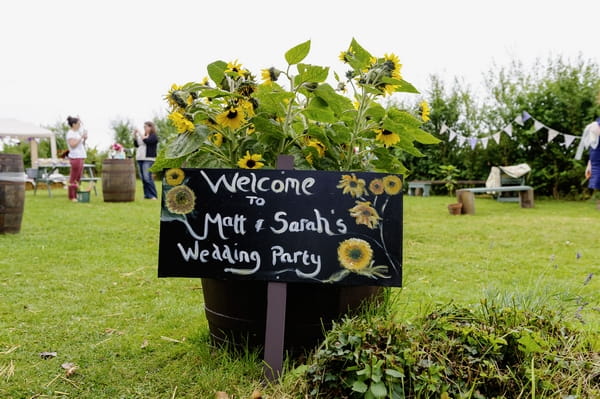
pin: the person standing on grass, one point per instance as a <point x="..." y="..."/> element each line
<point x="145" y="155"/>
<point x="590" y="139"/>
<point x="76" y="142"/>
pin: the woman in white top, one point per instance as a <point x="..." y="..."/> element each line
<point x="77" y="154"/>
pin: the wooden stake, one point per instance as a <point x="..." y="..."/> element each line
<point x="276" y="303"/>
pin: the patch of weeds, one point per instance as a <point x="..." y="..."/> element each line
<point x="490" y="351"/>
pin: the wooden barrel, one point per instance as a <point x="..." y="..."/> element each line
<point x="118" y="180"/>
<point x="12" y="192"/>
<point x="236" y="311"/>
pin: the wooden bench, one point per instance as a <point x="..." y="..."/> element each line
<point x="466" y="196"/>
<point x="423" y="187"/>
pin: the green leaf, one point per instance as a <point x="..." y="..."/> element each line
<point x="378" y="390"/>
<point x="214" y="93"/>
<point x="216" y="71"/>
<point x="186" y="143"/>
<point x="422" y="136"/>
<point x="272" y="100"/>
<point x="317" y="110"/>
<point x="376" y="112"/>
<point x="297" y="53"/>
<point x="403" y="117"/>
<point x="394" y="373"/>
<point x="311" y="73"/>
<point x="268" y="127"/>
<point x="336" y="102"/>
<point x="362" y="58"/>
<point x="359" y="386"/>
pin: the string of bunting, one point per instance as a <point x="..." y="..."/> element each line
<point x="508" y="130"/>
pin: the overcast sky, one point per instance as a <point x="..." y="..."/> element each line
<point x="115" y="59"/>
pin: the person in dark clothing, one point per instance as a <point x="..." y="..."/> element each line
<point x="145" y="155"/>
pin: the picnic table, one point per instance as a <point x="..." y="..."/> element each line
<point x="47" y="172"/>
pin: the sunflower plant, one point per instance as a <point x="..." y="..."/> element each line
<point x="233" y="119"/>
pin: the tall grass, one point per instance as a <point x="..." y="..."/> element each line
<point x="80" y="280"/>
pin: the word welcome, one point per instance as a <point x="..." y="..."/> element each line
<point x="263" y="184"/>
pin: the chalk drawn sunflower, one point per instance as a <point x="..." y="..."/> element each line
<point x="352" y="185"/>
<point x="174" y="177"/>
<point x="376" y="186"/>
<point x="355" y="254"/>
<point x="365" y="214"/>
<point x="392" y="184"/>
<point x="180" y="200"/>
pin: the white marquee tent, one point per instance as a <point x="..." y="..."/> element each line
<point x="24" y="130"/>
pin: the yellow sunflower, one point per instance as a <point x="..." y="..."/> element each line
<point x="174" y="176"/>
<point x="365" y="214"/>
<point x="387" y="137"/>
<point x="251" y="161"/>
<point x="216" y="139"/>
<point x="355" y="254"/>
<point x="182" y="124"/>
<point x="425" y="111"/>
<point x="352" y="185"/>
<point x="392" y="184"/>
<point x="250" y="129"/>
<point x="247" y="107"/>
<point x="180" y="200"/>
<point x="376" y="186"/>
<point x="235" y="68"/>
<point x="392" y="63"/>
<point x="204" y="81"/>
<point x="317" y="145"/>
<point x="270" y="75"/>
<point x="232" y="117"/>
<point x="344" y="56"/>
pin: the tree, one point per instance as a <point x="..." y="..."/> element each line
<point x="122" y="134"/>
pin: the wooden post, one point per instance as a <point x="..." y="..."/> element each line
<point x="467" y="199"/>
<point x="276" y="303"/>
<point x="526" y="199"/>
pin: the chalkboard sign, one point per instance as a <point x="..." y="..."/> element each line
<point x="282" y="225"/>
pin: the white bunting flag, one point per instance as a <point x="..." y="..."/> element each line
<point x="484" y="142"/>
<point x="519" y="120"/>
<point x="569" y="140"/>
<point x="461" y="140"/>
<point x="444" y="128"/>
<point x="473" y="142"/>
<point x="451" y="135"/>
<point x="552" y="134"/>
<point x="537" y="125"/>
<point x="508" y="130"/>
<point x="497" y="137"/>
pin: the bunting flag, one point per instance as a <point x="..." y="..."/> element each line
<point x="473" y="142"/>
<point x="520" y="119"/>
<point x="451" y="136"/>
<point x="484" y="142"/>
<point x="444" y="128"/>
<point x="569" y="138"/>
<point x="537" y="125"/>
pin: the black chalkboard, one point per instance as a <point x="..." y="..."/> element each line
<point x="282" y="225"/>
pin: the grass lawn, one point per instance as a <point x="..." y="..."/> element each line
<point x="80" y="280"/>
